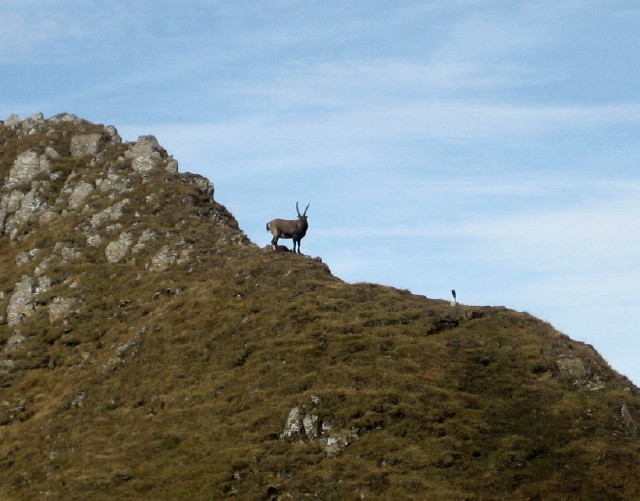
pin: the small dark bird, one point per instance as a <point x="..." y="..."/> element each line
<point x="453" y="293"/>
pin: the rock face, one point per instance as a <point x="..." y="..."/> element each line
<point x="304" y="424"/>
<point x="74" y="181"/>
<point x="25" y="167"/>
<point x="21" y="302"/>
<point x="86" y="144"/>
<point x="146" y="155"/>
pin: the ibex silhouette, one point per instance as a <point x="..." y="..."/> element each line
<point x="289" y="228"/>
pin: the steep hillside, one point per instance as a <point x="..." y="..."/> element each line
<point x="148" y="350"/>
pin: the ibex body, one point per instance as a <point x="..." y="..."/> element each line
<point x="289" y="228"/>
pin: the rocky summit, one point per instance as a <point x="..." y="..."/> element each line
<point x="150" y="351"/>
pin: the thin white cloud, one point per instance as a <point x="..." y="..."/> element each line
<point x="305" y="140"/>
<point x="594" y="235"/>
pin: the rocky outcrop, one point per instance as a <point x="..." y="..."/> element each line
<point x="71" y="174"/>
<point x="580" y="372"/>
<point x="32" y="193"/>
<point x="146" y="155"/>
<point x="86" y="144"/>
<point x="305" y="424"/>
<point x="26" y="196"/>
<point x="119" y="248"/>
<point x="81" y="180"/>
<point x="21" y="302"/>
<point x="26" y="167"/>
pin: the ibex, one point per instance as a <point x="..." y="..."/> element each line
<point x="289" y="228"/>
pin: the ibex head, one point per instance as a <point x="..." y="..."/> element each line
<point x="287" y="228"/>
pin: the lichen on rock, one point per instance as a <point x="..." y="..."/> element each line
<point x="26" y="167"/>
<point x="21" y="302"/>
<point x="146" y="154"/>
<point x="118" y="249"/>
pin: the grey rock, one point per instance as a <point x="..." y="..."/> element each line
<point x="25" y="257"/>
<point x="293" y="426"/>
<point x="13" y="120"/>
<point x="65" y="118"/>
<point x="26" y="166"/>
<point x="14" y="342"/>
<point x="86" y="144"/>
<point x="185" y="255"/>
<point x="29" y="206"/>
<point x="78" y="400"/>
<point x="118" y="249"/>
<point x="21" y="302"/>
<point x="110" y="214"/>
<point x="51" y="153"/>
<point x="145" y="237"/>
<point x="146" y="155"/>
<point x="78" y="194"/>
<point x="111" y="132"/>
<point x="94" y="239"/>
<point x="113" y="185"/>
<point x="338" y="441"/>
<point x="67" y="253"/>
<point x="17" y="208"/>
<point x="11" y="201"/>
<point x="60" y="308"/>
<point x="573" y="368"/>
<point x="44" y="284"/>
<point x="311" y="423"/>
<point x="628" y="420"/>
<point x="164" y="259"/>
<point x="200" y="182"/>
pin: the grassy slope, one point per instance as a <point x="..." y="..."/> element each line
<point x="177" y="384"/>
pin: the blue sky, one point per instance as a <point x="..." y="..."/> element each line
<point x="486" y="146"/>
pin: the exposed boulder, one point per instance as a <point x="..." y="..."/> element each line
<point x="86" y="144"/>
<point x="65" y="118"/>
<point x="79" y="192"/>
<point x="306" y="424"/>
<point x="26" y="167"/>
<point x="202" y="183"/>
<point x="118" y="249"/>
<point x="28" y="204"/>
<point x="146" y="236"/>
<point x="146" y="155"/>
<point x="580" y="372"/>
<point x="21" y="302"/>
<point x="293" y="426"/>
<point x="164" y="259"/>
<point x="60" y="308"/>
<point x="111" y="214"/>
<point x="630" y="423"/>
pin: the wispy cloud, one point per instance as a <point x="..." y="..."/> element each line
<point x="596" y="234"/>
<point x="279" y="139"/>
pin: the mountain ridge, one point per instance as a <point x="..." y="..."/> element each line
<point x="149" y="350"/>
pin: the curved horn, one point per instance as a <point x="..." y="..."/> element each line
<point x="297" y="210"/>
<point x="305" y="210"/>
